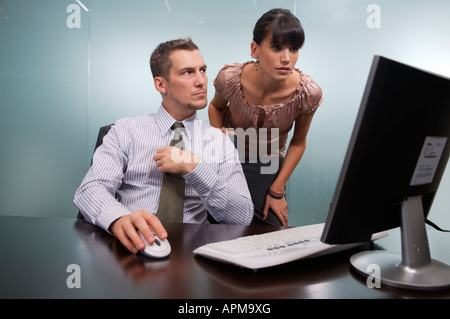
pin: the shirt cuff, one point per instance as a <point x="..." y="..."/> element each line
<point x="109" y="216"/>
<point x="202" y="178"/>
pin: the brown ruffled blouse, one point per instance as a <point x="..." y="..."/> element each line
<point x="240" y="114"/>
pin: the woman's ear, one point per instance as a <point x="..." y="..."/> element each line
<point x="160" y="84"/>
<point x="254" y="50"/>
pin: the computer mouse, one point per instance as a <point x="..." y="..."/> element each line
<point x="159" y="249"/>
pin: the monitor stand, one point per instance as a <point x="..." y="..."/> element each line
<point x="413" y="268"/>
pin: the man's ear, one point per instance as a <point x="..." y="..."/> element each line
<point x="161" y="84"/>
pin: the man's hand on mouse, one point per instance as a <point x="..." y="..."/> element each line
<point x="126" y="227"/>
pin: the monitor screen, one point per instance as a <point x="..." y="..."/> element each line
<point x="396" y="156"/>
<point x="399" y="148"/>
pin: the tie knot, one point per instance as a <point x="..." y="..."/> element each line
<point x="177" y="139"/>
<point x="177" y="125"/>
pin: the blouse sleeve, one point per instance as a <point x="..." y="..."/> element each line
<point x="226" y="80"/>
<point x="312" y="95"/>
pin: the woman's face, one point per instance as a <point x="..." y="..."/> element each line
<point x="276" y="60"/>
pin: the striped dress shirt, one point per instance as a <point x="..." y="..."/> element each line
<point x="124" y="178"/>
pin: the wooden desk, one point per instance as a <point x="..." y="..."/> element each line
<point x="35" y="254"/>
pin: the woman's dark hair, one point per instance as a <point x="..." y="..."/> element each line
<point x="284" y="26"/>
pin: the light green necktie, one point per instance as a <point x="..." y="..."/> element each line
<point x="171" y="200"/>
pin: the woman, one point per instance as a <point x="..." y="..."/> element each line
<point x="261" y="100"/>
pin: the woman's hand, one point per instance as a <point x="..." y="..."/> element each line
<point x="279" y="207"/>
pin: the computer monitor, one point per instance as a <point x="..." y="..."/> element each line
<point x="394" y="163"/>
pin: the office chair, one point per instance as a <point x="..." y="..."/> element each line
<point x="101" y="133"/>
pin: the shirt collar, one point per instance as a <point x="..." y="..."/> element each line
<point x="165" y="121"/>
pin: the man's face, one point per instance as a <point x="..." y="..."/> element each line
<point x="186" y="91"/>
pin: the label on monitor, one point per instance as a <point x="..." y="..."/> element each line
<point x="428" y="160"/>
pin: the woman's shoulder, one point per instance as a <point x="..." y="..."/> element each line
<point x="228" y="80"/>
<point x="309" y="92"/>
<point x="230" y="71"/>
<point x="306" y="81"/>
<point x="231" y="66"/>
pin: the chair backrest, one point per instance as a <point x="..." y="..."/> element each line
<point x="101" y="134"/>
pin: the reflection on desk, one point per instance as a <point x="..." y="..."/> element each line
<point x="35" y="266"/>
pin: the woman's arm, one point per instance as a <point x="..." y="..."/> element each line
<point x="294" y="153"/>
<point x="216" y="110"/>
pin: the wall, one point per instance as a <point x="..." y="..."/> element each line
<point x="66" y="71"/>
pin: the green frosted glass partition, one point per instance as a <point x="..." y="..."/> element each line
<point x="68" y="67"/>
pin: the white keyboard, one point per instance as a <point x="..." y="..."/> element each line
<point x="274" y="248"/>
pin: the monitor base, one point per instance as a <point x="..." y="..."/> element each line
<point x="413" y="268"/>
<point x="433" y="275"/>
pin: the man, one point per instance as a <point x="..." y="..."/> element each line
<point x="130" y="163"/>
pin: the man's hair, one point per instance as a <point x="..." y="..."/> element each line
<point x="160" y="63"/>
